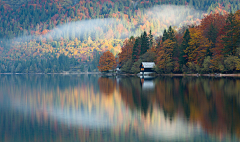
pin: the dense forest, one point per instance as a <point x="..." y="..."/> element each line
<point x="210" y="47"/>
<point x="34" y="32"/>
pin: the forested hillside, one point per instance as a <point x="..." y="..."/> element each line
<point x="35" y="32"/>
<point x="210" y="47"/>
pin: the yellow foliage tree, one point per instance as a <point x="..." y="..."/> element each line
<point x="198" y="46"/>
<point x="164" y="60"/>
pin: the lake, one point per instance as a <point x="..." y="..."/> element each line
<point x="72" y="108"/>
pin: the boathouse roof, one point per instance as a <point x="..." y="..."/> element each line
<point x="148" y="64"/>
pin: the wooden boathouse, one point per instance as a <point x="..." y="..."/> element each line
<point x="147" y="68"/>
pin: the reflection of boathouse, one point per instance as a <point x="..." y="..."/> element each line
<point x="147" y="67"/>
<point x="147" y="84"/>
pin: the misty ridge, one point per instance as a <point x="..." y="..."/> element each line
<point x="96" y="29"/>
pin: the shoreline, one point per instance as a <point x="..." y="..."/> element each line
<point x="114" y="74"/>
<point x="206" y="75"/>
<point x="53" y="73"/>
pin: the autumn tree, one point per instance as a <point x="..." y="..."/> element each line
<point x="231" y="38"/>
<point x="217" y="60"/>
<point x="232" y="63"/>
<point x="127" y="49"/>
<point x="198" y="46"/>
<point x="107" y="62"/>
<point x="211" y="25"/>
<point x="225" y="57"/>
<point x="164" y="59"/>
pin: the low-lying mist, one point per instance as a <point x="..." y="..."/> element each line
<point x="156" y="19"/>
<point x="177" y="16"/>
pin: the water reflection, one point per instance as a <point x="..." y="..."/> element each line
<point x="147" y="84"/>
<point x="107" y="85"/>
<point x="93" y="108"/>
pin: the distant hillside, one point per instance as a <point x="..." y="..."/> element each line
<point x="35" y="22"/>
<point x="17" y="3"/>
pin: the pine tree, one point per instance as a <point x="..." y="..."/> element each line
<point x="144" y="43"/>
<point x="151" y="38"/>
<point x="212" y="36"/>
<point x="184" y="45"/>
<point x="228" y="40"/>
<point x="170" y="34"/>
<point x="165" y="35"/>
<point x="136" y="50"/>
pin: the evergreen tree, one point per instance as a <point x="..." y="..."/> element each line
<point x="150" y="38"/>
<point x="136" y="50"/>
<point x="165" y="35"/>
<point x="171" y="34"/>
<point x="184" y="45"/>
<point x="89" y="69"/>
<point x="144" y="43"/>
<point x="212" y="36"/>
<point x="228" y="40"/>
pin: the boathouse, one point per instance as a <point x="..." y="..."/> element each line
<point x="147" y="68"/>
<point x="118" y="68"/>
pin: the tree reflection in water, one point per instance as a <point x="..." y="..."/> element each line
<point x="107" y="85"/>
<point x="93" y="108"/>
<point x="211" y="102"/>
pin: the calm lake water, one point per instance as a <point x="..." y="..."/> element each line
<point x="72" y="108"/>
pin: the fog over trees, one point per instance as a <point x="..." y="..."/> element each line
<point x="34" y="32"/>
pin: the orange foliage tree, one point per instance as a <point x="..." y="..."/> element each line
<point x="217" y="20"/>
<point x="127" y="49"/>
<point x="212" y="26"/>
<point x="107" y="62"/>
